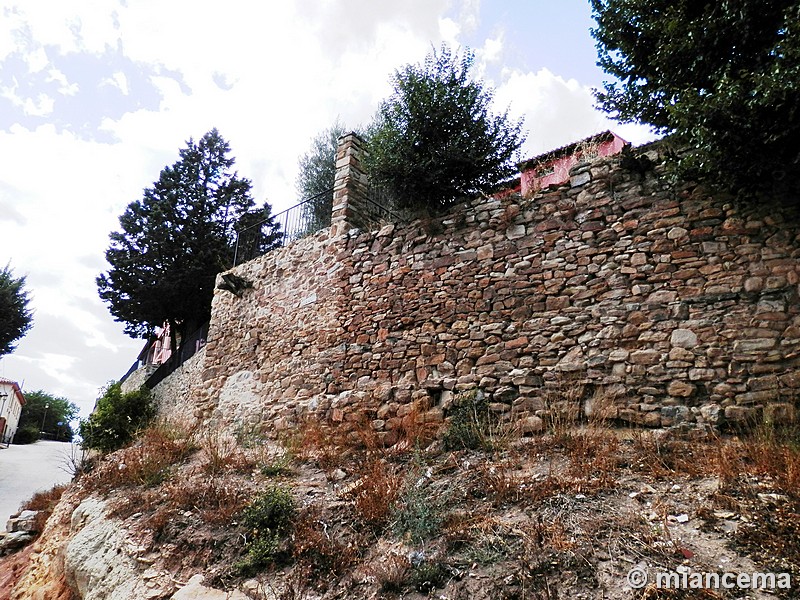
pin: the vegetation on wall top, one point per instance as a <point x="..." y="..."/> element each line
<point x="723" y="76"/>
<point x="435" y="140"/>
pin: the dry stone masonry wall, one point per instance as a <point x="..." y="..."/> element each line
<point x="663" y="303"/>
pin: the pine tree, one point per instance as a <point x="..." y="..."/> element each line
<point x="15" y="316"/>
<point x="174" y="241"/>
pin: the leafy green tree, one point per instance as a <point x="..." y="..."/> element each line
<point x="117" y="418"/>
<point x="174" y="241"/>
<point x="51" y="415"/>
<point x="316" y="176"/>
<point x="435" y="140"/>
<point x="15" y="316"/>
<point x="723" y="76"/>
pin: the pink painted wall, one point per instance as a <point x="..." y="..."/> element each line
<point x="158" y="351"/>
<point x="562" y="165"/>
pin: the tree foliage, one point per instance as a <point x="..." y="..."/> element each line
<point x="316" y="176"/>
<point x="117" y="418"/>
<point x="435" y="140"/>
<point x="724" y="76"/>
<point x="54" y="420"/>
<point x="257" y="234"/>
<point x="15" y="316"/>
<point x="174" y="241"/>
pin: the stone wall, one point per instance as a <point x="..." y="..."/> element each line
<point x="136" y="379"/>
<point x="664" y="301"/>
<point x="171" y="392"/>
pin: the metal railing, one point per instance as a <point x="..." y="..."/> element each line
<point x="379" y="206"/>
<point x="307" y="217"/>
<point x="300" y="220"/>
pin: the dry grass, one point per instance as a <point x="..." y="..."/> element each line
<point x="322" y="444"/>
<point x="391" y="573"/>
<point x="525" y="509"/>
<point x="315" y="546"/>
<point x="376" y="493"/>
<point x="43" y="503"/>
<point x="144" y="463"/>
<point x="664" y="458"/>
<point x="500" y="483"/>
<point x="222" y="453"/>
<point x="217" y="500"/>
<point x="332" y="446"/>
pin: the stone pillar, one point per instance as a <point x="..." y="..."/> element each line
<point x="350" y="186"/>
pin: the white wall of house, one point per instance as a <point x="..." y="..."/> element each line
<point x="11" y="403"/>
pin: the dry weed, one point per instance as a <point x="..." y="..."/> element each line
<point x="217" y="500"/>
<point x="324" y="444"/>
<point x="43" y="503"/>
<point x="500" y="484"/>
<point x="552" y="534"/>
<point x="376" y="493"/>
<point x="145" y="463"/>
<point x="663" y="457"/>
<point x="594" y="456"/>
<point x="391" y="574"/>
<point x="221" y="452"/>
<point x="314" y="546"/>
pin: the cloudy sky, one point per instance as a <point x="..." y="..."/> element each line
<point x="97" y="96"/>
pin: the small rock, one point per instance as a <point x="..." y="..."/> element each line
<point x="724" y="514"/>
<point x="531" y="425"/>
<point x="682" y="518"/>
<point x="773" y="498"/>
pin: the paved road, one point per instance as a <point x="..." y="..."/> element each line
<point x="27" y="469"/>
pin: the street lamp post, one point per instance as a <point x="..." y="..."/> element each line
<point x="44" y="416"/>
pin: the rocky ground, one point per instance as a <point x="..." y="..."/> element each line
<point x="474" y="512"/>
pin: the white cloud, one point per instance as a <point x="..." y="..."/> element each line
<point x="66" y="88"/>
<point x="557" y="111"/>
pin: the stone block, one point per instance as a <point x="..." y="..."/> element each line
<point x="195" y="590"/>
<point x="532" y="424"/>
<point x="753" y="345"/>
<point x="681" y="389"/>
<point x="740" y="414"/>
<point x="756" y="397"/>
<point x="701" y="374"/>
<point x="645" y="357"/>
<point x="515" y="232"/>
<point x="580" y="179"/>
<point x="683" y="338"/>
<point x="712" y="414"/>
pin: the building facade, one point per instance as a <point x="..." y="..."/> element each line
<point x="11" y="402"/>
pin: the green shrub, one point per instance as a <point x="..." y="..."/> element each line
<point x="280" y="465"/>
<point x="268" y="519"/>
<point x="435" y="141"/>
<point x="117" y="418"/>
<point x="428" y="576"/>
<point x="472" y="425"/>
<point x="26" y="435"/>
<point x="418" y="513"/>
